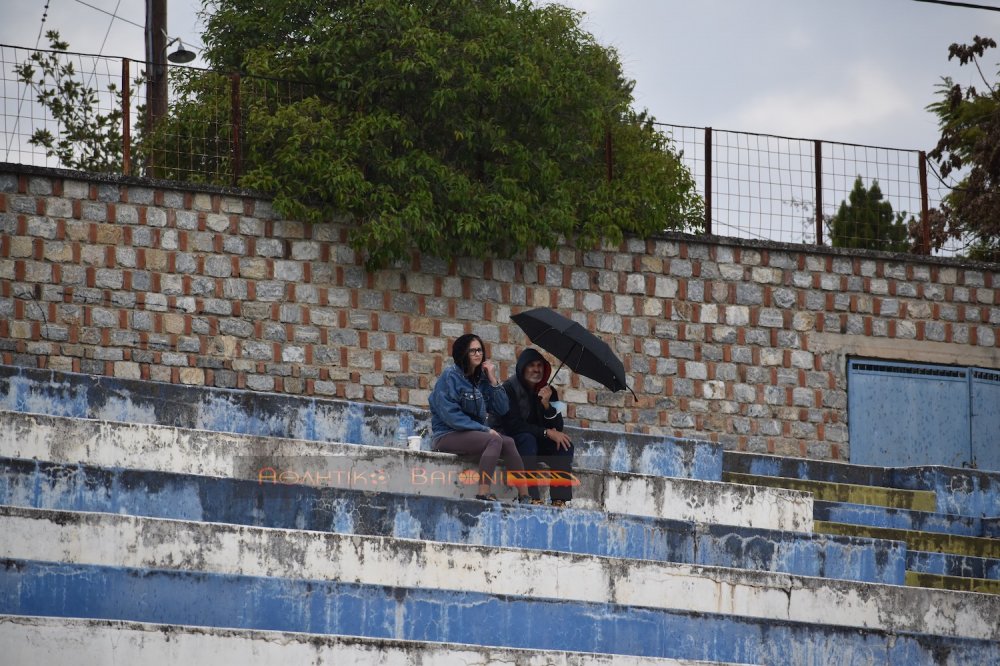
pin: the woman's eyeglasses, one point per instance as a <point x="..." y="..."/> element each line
<point x="475" y="350"/>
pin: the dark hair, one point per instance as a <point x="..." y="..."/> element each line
<point x="460" y="352"/>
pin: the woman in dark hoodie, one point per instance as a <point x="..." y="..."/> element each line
<point x="535" y="424"/>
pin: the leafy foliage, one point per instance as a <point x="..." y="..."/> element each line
<point x="87" y="139"/>
<point x="193" y="142"/>
<point x="865" y="221"/>
<point x="452" y="127"/>
<point x="969" y="120"/>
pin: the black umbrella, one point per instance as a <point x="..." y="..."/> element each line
<point x="575" y="346"/>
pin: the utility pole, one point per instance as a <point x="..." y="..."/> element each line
<point x="156" y="65"/>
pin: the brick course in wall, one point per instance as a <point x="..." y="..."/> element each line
<point x="736" y="341"/>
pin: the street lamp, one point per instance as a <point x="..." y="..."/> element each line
<point x="181" y="55"/>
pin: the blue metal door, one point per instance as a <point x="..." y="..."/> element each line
<point x="985" y="389"/>
<point x="903" y="414"/>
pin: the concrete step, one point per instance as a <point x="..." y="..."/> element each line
<point x="636" y="453"/>
<point x="923" y="541"/>
<point x="957" y="491"/>
<point x="32" y="483"/>
<point x="64" y="641"/>
<point x="842" y="492"/>
<point x="500" y="621"/>
<point x="181" y="450"/>
<point x="315" y="419"/>
<point x="323" y="583"/>
<point x="962" y="583"/>
<point x="138" y="543"/>
<point x="901" y="519"/>
<point x="948" y="564"/>
<point x="937" y="560"/>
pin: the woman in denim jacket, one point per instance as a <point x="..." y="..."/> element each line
<point x="461" y="398"/>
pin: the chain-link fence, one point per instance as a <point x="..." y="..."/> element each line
<point x="754" y="185"/>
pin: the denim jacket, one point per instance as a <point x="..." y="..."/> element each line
<point x="458" y="405"/>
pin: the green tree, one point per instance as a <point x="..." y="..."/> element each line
<point x="87" y="139"/>
<point x="864" y="220"/>
<point x="448" y="126"/>
<point x="969" y="120"/>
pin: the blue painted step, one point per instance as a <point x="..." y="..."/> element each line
<point x="949" y="564"/>
<point x="965" y="492"/>
<point x="329" y="607"/>
<point x="946" y="564"/>
<point x="314" y="419"/>
<point x="901" y="519"/>
<point x="36" y="484"/>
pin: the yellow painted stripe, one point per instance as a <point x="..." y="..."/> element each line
<point x="916" y="500"/>
<point x="933" y="542"/>
<point x="936" y="581"/>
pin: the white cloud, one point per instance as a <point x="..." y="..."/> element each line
<point x="868" y="97"/>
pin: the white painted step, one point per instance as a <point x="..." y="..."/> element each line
<point x="105" y="539"/>
<point x="57" y="641"/>
<point x="185" y="451"/>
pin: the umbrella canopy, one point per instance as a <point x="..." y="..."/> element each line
<point x="575" y="346"/>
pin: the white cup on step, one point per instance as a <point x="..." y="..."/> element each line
<point x="414" y="441"/>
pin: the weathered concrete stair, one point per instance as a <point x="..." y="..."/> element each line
<point x="402" y="588"/>
<point x="71" y="642"/>
<point x="903" y="519"/>
<point x="163" y="448"/>
<point x="124" y="567"/>
<point x="921" y="500"/>
<point x="985" y="551"/>
<point x="32" y="483"/>
<point x="965" y="492"/>
<point x="963" y="583"/>
<point x="944" y="550"/>
<point x="313" y="419"/>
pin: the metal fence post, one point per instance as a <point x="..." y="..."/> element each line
<point x="925" y="223"/>
<point x="819" y="192"/>
<point x="236" y="118"/>
<point x="126" y="121"/>
<point x="708" y="180"/>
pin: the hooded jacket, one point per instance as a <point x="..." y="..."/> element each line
<point x="526" y="413"/>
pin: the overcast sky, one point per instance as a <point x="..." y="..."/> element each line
<point x="855" y="71"/>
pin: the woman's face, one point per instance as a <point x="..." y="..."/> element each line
<point x="475" y="354"/>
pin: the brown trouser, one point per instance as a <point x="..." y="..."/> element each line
<point x="486" y="445"/>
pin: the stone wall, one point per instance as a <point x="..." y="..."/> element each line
<point x="740" y="342"/>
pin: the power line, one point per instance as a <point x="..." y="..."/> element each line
<point x="45" y="14"/>
<point x="115" y="15"/>
<point x="110" y="24"/>
<point x="968" y="5"/>
<point x="112" y="15"/>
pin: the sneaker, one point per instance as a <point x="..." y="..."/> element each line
<point x="559" y="504"/>
<point x="526" y="499"/>
<point x="487" y="498"/>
